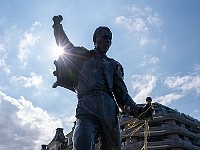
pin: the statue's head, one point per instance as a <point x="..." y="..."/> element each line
<point x="102" y="38"/>
<point x="99" y="31"/>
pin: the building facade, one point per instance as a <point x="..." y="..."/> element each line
<point x="169" y="130"/>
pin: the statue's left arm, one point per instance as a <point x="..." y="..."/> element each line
<point x="123" y="99"/>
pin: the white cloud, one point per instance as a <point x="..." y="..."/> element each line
<point x="2" y="48"/>
<point x="3" y="58"/>
<point x="182" y="85"/>
<point x="139" y="25"/>
<point x="185" y="83"/>
<point x="148" y="59"/>
<point x="36" y="24"/>
<point x="196" y="68"/>
<point x="68" y="120"/>
<point x="127" y="22"/>
<point x="196" y="111"/>
<point x="167" y="99"/>
<point x="29" y="40"/>
<point x="141" y="21"/>
<point x="24" y="126"/>
<point x="153" y="60"/>
<point x="136" y="10"/>
<point x="143" y="85"/>
<point x="33" y="81"/>
<point x="144" y="41"/>
<point x="154" y="19"/>
<point x="150" y="62"/>
<point x="132" y="24"/>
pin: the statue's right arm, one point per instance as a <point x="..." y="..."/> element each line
<point x="60" y="36"/>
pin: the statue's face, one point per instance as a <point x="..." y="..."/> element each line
<point x="103" y="41"/>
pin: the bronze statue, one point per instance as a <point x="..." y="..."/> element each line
<point x="98" y="82"/>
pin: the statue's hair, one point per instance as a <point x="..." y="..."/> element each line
<point x="98" y="30"/>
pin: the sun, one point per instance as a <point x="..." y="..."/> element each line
<point x="58" y="51"/>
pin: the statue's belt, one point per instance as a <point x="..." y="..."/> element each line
<point x="94" y="93"/>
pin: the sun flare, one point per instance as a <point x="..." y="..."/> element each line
<point x="58" y="51"/>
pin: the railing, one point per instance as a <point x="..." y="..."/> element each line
<point x="167" y="143"/>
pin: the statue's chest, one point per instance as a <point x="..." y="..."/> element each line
<point x="97" y="65"/>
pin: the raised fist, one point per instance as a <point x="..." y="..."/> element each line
<point x="57" y="19"/>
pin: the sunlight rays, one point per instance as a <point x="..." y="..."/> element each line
<point x="58" y="51"/>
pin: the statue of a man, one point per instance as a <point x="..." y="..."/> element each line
<point x="98" y="83"/>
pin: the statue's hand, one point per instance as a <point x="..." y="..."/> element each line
<point x="57" y="19"/>
<point x="147" y="111"/>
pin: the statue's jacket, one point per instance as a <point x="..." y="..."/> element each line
<point x="96" y="79"/>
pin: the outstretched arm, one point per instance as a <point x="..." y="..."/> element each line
<point x="60" y="36"/>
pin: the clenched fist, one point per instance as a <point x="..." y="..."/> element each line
<point x="57" y="19"/>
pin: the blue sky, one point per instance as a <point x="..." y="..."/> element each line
<point x="157" y="42"/>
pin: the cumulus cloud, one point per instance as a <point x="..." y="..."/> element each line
<point x="143" y="85"/>
<point x="3" y="58"/>
<point x="148" y="59"/>
<point x="137" y="24"/>
<point x="28" y="41"/>
<point x="184" y="84"/>
<point x="154" y="19"/>
<point x="68" y="120"/>
<point x="33" y="81"/>
<point x="167" y="99"/>
<point x="24" y="126"/>
<point x="150" y="62"/>
<point x="141" y="21"/>
<point x="196" y="69"/>
<point x="2" y="48"/>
